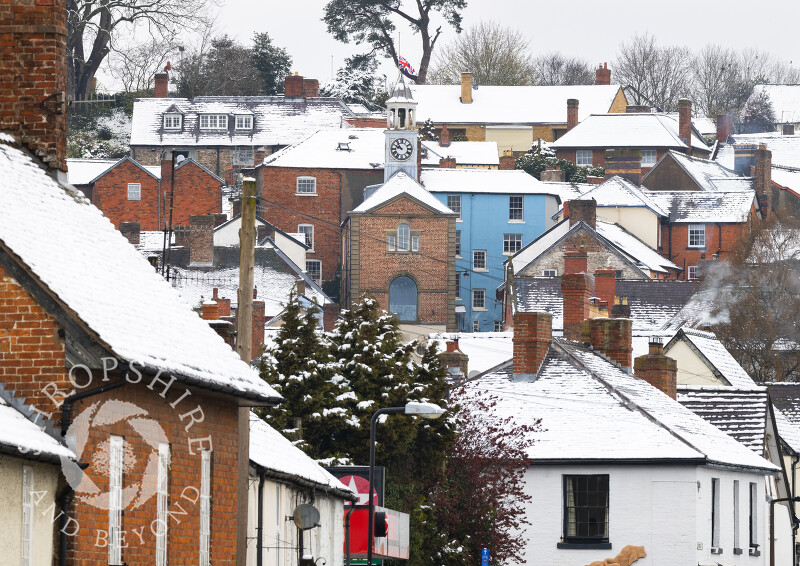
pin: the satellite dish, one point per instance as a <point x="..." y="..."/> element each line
<point x="305" y="516"/>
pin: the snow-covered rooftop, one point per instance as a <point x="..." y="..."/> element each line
<point x="591" y="409"/>
<point x="789" y="431"/>
<point x="21" y="437"/>
<point x="398" y="185"/>
<point x="484" y="349"/>
<point x="276" y="120"/>
<point x="473" y="153"/>
<point x="275" y="453"/>
<point x="619" y="192"/>
<point x="112" y="290"/>
<point x="334" y="148"/>
<point x="708" y="174"/>
<point x="506" y="105"/>
<point x="702" y="206"/>
<point x="515" y="181"/>
<point x="626" y="130"/>
<point x="716" y="357"/>
<point x="84" y="171"/>
<point x="785" y="101"/>
<point x="785" y="149"/>
<point x="787" y="178"/>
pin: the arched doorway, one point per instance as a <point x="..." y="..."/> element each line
<point x="403" y="298"/>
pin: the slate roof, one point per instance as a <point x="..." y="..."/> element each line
<point x="785" y="398"/>
<point x="507" y="105"/>
<point x="83" y="171"/>
<point x="627" y="130"/>
<point x="785" y="149"/>
<point x="706" y="207"/>
<point x="788" y="431"/>
<point x="716" y="357"/>
<point x="276" y="120"/>
<point x="709" y="175"/>
<point x="697" y="312"/>
<point x="619" y="192"/>
<point x="108" y="287"/>
<point x="401" y="184"/>
<point x="592" y="410"/>
<point x="20" y="437"/>
<point x="365" y="147"/>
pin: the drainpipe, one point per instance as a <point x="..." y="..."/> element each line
<point x="719" y="246"/>
<point x="347" y="532"/>
<point x="795" y="459"/>
<point x="69" y="402"/>
<point x="262" y="478"/>
<point x="66" y="498"/>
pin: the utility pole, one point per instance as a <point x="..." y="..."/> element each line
<point x="244" y="347"/>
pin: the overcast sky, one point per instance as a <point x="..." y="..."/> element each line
<point x="589" y="29"/>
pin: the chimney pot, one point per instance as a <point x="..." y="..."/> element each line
<point x="602" y="76"/>
<point x="210" y="311"/>
<point x="613" y="337"/>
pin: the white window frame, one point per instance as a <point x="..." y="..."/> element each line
<point x="697" y="230"/>
<point x="162" y="503"/>
<point x="134" y="191"/>
<point x="691" y="273"/>
<point x="715" y="514"/>
<point x="244" y="122"/>
<point x="213" y="121"/>
<point x="243" y="156"/>
<point x="736" y="525"/>
<point x="403" y="238"/>
<point x="414" y="242"/>
<point x="479" y="295"/>
<point x="306" y="185"/>
<point x="301" y="228"/>
<point x="205" y="508"/>
<point x="27" y="516"/>
<point x="317" y="280"/>
<point x="172" y="121"/>
<point x="649" y="157"/>
<point x="516" y="213"/>
<point x="391" y="242"/>
<point x="498" y="325"/>
<point x="583" y="158"/>
<point x="476" y="263"/>
<point x="454" y="204"/>
<point x="115" y="466"/>
<point x="508" y="240"/>
<point x="549" y="273"/>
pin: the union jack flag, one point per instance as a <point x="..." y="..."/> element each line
<point x="404" y="65"/>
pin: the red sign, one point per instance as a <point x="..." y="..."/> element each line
<point x="393" y="545"/>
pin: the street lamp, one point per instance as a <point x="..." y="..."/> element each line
<point x="414" y="409"/>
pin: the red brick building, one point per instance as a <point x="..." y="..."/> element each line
<point x="131" y="192"/>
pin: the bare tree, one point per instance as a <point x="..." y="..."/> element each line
<point x="94" y="25"/>
<point x="657" y="75"/>
<point x="718" y="81"/>
<point x="494" y="54"/>
<point x="554" y="68"/>
<point x="135" y="65"/>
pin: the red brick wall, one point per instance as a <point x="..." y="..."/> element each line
<point x="33" y="76"/>
<point x="683" y="256"/>
<point x="196" y="192"/>
<point x="599" y="157"/>
<point x="110" y="194"/>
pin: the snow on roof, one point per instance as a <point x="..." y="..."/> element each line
<point x="785" y="149"/>
<point x="788" y="431"/>
<point x="719" y="360"/>
<point x="701" y="206"/>
<point x="274" y="452"/>
<point x="626" y="130"/>
<point x="697" y="312"/>
<point x="508" y="105"/>
<point x="93" y="270"/>
<point x="708" y="174"/>
<point x="785" y="101"/>
<point x="590" y="409"/>
<point x="569" y="191"/>
<point x="276" y="120"/>
<point x="705" y="126"/>
<point x="400" y="184"/>
<point x="619" y="192"/>
<point x="787" y="178"/>
<point x="364" y="147"/>
<point x="21" y="437"/>
<point x="464" y="152"/>
<point x="84" y="171"/>
<point x="785" y="397"/>
<point x="484" y="349"/>
<point x="515" y="181"/>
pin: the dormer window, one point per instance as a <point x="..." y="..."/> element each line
<point x="213" y="121"/>
<point x="172" y="121"/>
<point x="244" y="122"/>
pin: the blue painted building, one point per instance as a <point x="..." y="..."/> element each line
<point x="500" y="212"/>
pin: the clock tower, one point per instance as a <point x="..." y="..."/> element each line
<point x="401" y="132"/>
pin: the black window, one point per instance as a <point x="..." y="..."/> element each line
<point x="586" y="509"/>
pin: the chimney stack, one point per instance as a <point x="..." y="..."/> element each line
<point x="572" y="113"/>
<point x="762" y="173"/>
<point x="724" y="127"/>
<point x="258" y="157"/>
<point x="224" y="304"/>
<point x="210" y="310"/>
<point x="685" y="123"/>
<point x="293" y="86"/>
<point x="533" y="334"/>
<point x="602" y="76"/>
<point x="592" y="180"/>
<point x="33" y="107"/>
<point x="658" y="370"/>
<point x="201" y="239"/>
<point x="605" y="285"/>
<point x="552" y="175"/>
<point x="131" y="230"/>
<point x="444" y="137"/>
<point x="447" y="163"/>
<point x="576" y="288"/>
<point x="466" y="87"/>
<point x="613" y="338"/>
<point x="311" y="88"/>
<point x="162" y="85"/>
<point x="585" y="210"/>
<point x="166" y="175"/>
<point x="507" y="161"/>
<point x="259" y="320"/>
<point x="454" y="358"/>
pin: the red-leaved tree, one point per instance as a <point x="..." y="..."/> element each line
<point x="479" y="500"/>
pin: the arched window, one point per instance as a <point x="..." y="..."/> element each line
<point x="403" y="235"/>
<point x="403" y="298"/>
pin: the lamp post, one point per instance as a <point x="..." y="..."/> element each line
<point x="414" y="409"/>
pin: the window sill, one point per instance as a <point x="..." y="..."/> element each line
<point x="306" y="194"/>
<point x="459" y="220"/>
<point x="479" y="309"/>
<point x="480" y="270"/>
<point x="697" y="248"/>
<point x="716" y="550"/>
<point x="584" y="546"/>
<point x="509" y="253"/>
<point x="516" y="222"/>
<point x="755" y="552"/>
<point x="737" y="551"/>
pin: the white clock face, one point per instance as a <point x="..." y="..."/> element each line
<point x="401" y="149"/>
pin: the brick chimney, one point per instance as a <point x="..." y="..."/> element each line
<point x="166" y="175"/>
<point x="33" y="106"/>
<point x="613" y="338"/>
<point x="605" y="285"/>
<point x="447" y="163"/>
<point x="602" y="76"/>
<point x="658" y="370"/>
<point x="259" y="320"/>
<point x="210" y="310"/>
<point x="224" y="304"/>
<point x="466" y="87"/>
<point x="201" y="239"/>
<point x="131" y="230"/>
<point x="592" y="180"/>
<point x="585" y="210"/>
<point x="572" y="113"/>
<point x="533" y="334"/>
<point x="444" y="137"/>
<point x="744" y="157"/>
<point x="724" y="127"/>
<point x="258" y="157"/>
<point x="293" y="86"/>
<point x="162" y="84"/>
<point x="552" y="175"/>
<point x="621" y="308"/>
<point x="685" y="123"/>
<point x="576" y="288"/>
<point x="507" y="161"/>
<point x="626" y="163"/>
<point x="330" y="314"/>
<point x="311" y="88"/>
<point x="453" y="357"/>
<point x="762" y="173"/>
